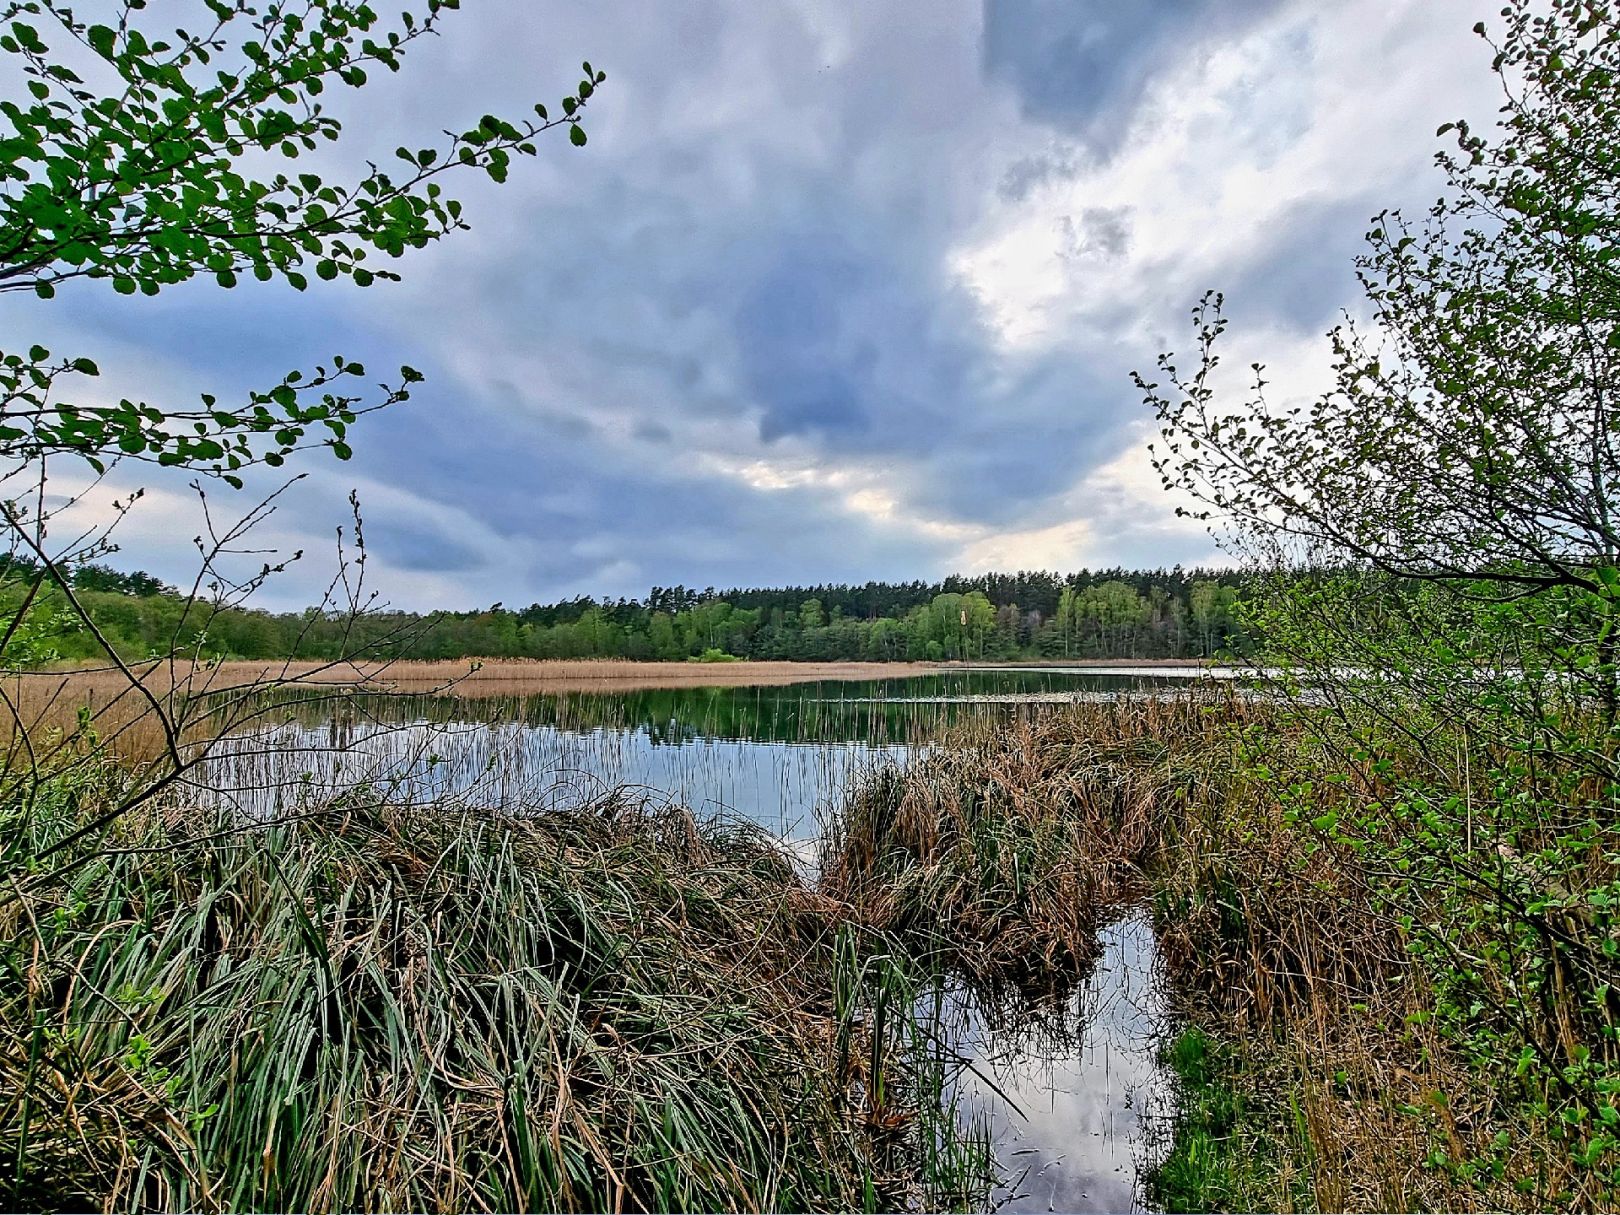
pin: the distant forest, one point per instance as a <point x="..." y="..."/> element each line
<point x="1114" y="613"/>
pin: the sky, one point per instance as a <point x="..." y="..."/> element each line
<point x="835" y="292"/>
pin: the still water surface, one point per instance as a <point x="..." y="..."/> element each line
<point x="1070" y="1095"/>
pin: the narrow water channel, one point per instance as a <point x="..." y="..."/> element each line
<point x="1074" y="1098"/>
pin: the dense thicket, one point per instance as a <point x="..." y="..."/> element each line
<point x="1113" y="613"/>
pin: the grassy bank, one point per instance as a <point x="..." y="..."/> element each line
<point x="378" y="1008"/>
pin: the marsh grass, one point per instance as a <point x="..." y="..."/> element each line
<point x="1319" y="1056"/>
<point x="1011" y="839"/>
<point x="612" y="1004"/>
<point x="1298" y="952"/>
<point x="617" y="1007"/>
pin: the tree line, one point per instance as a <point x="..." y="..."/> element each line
<point x="1115" y="613"/>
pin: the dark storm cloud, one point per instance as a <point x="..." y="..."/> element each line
<point x="799" y="359"/>
<point x="729" y="341"/>
<point x="1083" y="65"/>
<point x="419" y="547"/>
<point x="1024" y="176"/>
<point x="653" y="432"/>
<point x="816" y="314"/>
<point x="1304" y="276"/>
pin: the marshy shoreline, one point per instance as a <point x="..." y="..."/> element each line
<point x="502" y="676"/>
<point x="619" y="1004"/>
<point x="615" y="1006"/>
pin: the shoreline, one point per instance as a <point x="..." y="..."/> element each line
<point x="476" y="677"/>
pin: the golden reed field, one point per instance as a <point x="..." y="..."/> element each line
<point x="123" y="703"/>
<point x="207" y="699"/>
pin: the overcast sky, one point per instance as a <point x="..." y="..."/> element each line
<point x="835" y="292"/>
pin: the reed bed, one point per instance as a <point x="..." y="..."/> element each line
<point x="618" y="1006"/>
<point x="378" y="1008"/>
<point x="476" y="677"/>
<point x="1319" y="1081"/>
<point x="1010" y="841"/>
<point x="118" y="702"/>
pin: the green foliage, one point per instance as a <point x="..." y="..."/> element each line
<point x="1199" y="1172"/>
<point x="1220" y="1157"/>
<point x="143" y="156"/>
<point x="713" y="655"/>
<point x="1459" y="687"/>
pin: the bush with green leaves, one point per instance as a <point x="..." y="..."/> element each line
<point x="1460" y="676"/>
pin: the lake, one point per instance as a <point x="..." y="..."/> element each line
<point x="1072" y="1092"/>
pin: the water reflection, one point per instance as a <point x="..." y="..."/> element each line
<point x="771" y="754"/>
<point x="1072" y="1096"/>
<point x="877" y="710"/>
<point x="510" y="765"/>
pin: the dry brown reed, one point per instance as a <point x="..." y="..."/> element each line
<point x="509" y="676"/>
<point x="1014" y="842"/>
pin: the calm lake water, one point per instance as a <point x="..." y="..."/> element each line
<point x="1069" y="1091"/>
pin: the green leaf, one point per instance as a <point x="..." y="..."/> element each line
<point x="576" y="135"/>
<point x="101" y="40"/>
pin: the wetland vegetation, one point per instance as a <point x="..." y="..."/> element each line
<point x="594" y="999"/>
<point x="738" y="939"/>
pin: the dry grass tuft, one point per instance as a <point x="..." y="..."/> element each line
<point x="1013" y="842"/>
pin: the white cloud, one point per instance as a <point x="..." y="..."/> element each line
<point x="1320" y="103"/>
